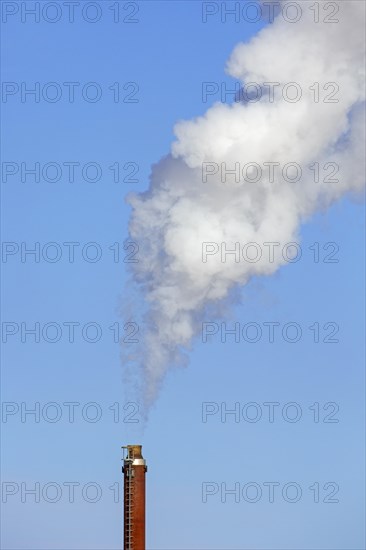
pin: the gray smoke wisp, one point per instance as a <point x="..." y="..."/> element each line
<point x="179" y="212"/>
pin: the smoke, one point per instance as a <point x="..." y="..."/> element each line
<point x="180" y="211"/>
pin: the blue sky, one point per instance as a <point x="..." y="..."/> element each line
<point x="168" y="53"/>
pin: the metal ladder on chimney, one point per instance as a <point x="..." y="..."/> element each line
<point x="129" y="492"/>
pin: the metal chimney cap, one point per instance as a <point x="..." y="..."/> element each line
<point x="135" y="451"/>
<point x="134" y="455"/>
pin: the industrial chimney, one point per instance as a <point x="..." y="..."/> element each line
<point x="134" y="470"/>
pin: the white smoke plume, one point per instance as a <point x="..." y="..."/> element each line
<point x="179" y="212"/>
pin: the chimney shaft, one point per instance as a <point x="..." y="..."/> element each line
<point x="134" y="470"/>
